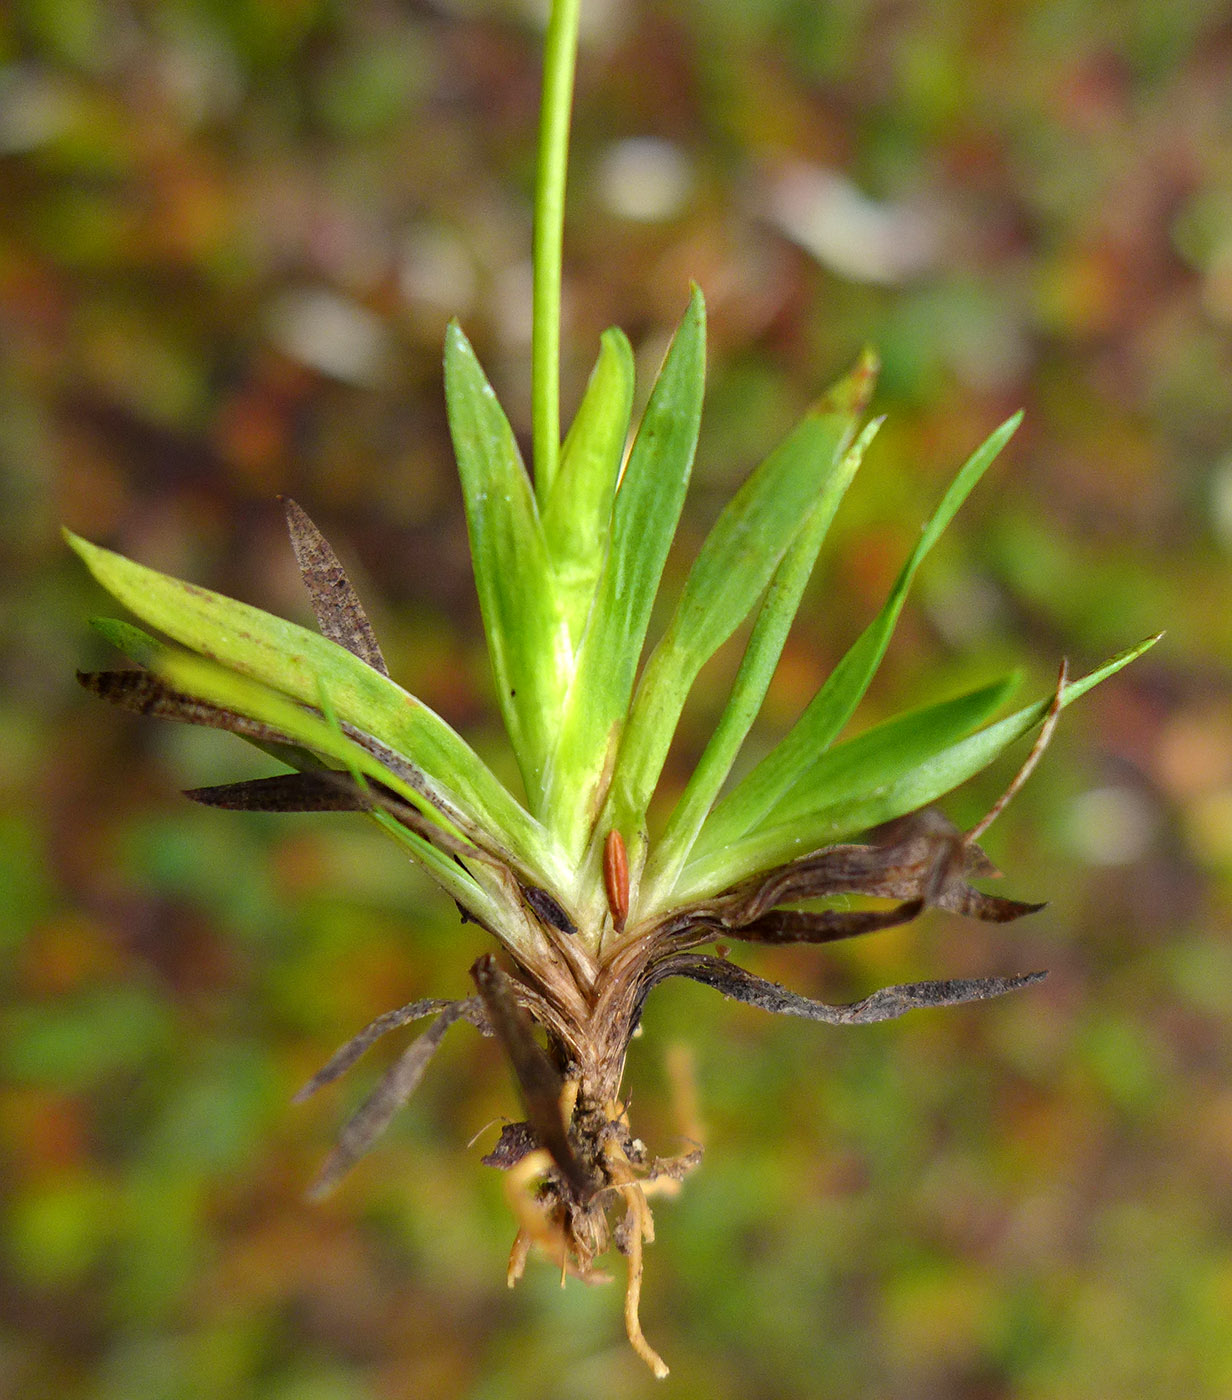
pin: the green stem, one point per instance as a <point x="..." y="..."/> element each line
<point x="559" y="61"/>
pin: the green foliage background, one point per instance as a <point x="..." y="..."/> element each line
<point x="230" y="237"/>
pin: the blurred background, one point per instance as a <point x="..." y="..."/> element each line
<point x="231" y="234"/>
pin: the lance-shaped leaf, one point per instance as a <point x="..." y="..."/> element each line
<point x="579" y="506"/>
<point x="147" y="694"/>
<point x="736" y="562"/>
<point x="922" y="857"/>
<point x="881" y="755"/>
<point x="296" y="661"/>
<point x="335" y="604"/>
<point x="139" y="646"/>
<point x="644" y="517"/>
<point x="783" y="767"/>
<point x="314" y="791"/>
<point x="528" y="638"/>
<point x="342" y="1059"/>
<point x="873" y="761"/>
<point x="757" y="666"/>
<point x="327" y="790"/>
<point x="885" y="1005"/>
<point x="867" y="807"/>
<point x="230" y="692"/>
<point x="399" y="1083"/>
<point x="824" y="926"/>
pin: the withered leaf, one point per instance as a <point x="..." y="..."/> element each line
<point x="145" y="694"/>
<point x="992" y="908"/>
<point x="339" y="613"/>
<point x="884" y="1005"/>
<point x="922" y="857"/>
<point x="828" y="926"/>
<point x="398" y="1084"/>
<point x="286" y="792"/>
<point x="469" y="1008"/>
<point x="329" y="790"/>
<point x="537" y="1077"/>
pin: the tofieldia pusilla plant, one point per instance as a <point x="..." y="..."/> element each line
<point x="588" y="914"/>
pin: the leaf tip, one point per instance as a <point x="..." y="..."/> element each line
<point x="1007" y="429"/>
<point x="853" y="393"/>
<point x="615" y="341"/>
<point x="456" y="342"/>
<point x="81" y="547"/>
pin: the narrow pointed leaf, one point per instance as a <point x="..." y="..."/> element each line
<point x="885" y="1005"/>
<point x="337" y="608"/>
<point x="910" y="790"/>
<point x="579" y="506"/>
<point x="399" y="1083"/>
<point x="294" y="660"/>
<point x="528" y="639"/>
<point x="328" y="790"/>
<point x="752" y="682"/>
<point x="228" y="691"/>
<point x="285" y="792"/>
<point x="144" y="693"/>
<point x="735" y="564"/>
<point x="858" y="772"/>
<point x="834" y="704"/>
<point x="137" y="645"/>
<point x="881" y="755"/>
<point x="644" y="517"/>
<point x="825" y="926"/>
<point x="344" y="1058"/>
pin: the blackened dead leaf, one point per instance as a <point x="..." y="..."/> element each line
<point x="884" y="1005"/>
<point x="469" y="1009"/>
<point x="329" y="790"/>
<point x="287" y="792"/>
<point x="398" y="1084"/>
<point x="921" y="859"/>
<point x="993" y="909"/>
<point x="143" y="693"/>
<point x="828" y="926"/>
<point x="339" y="613"/>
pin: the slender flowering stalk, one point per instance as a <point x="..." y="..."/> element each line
<point x="588" y="914"/>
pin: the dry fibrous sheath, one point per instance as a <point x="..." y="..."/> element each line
<point x="589" y="914"/>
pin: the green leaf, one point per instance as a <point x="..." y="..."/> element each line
<point x="206" y="681"/>
<point x="137" y="645"/>
<point x="879" y="757"/>
<point x="644" y="517"/>
<point x="757" y="667"/>
<point x="579" y="506"/>
<point x="148" y="651"/>
<point x="293" y="660"/>
<point x="838" y="818"/>
<point x="733" y="568"/>
<point x="833" y="705"/>
<point x="528" y="638"/>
